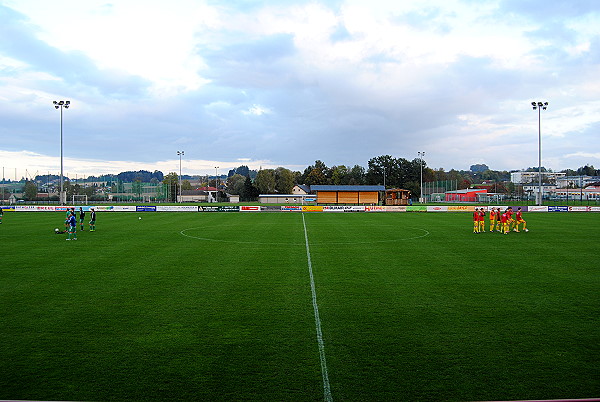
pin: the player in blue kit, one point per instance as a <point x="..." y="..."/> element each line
<point x="72" y="226"/>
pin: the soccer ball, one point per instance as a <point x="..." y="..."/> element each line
<point x="140" y="218"/>
<point x="56" y="230"/>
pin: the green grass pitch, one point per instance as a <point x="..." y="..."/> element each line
<point x="218" y="306"/>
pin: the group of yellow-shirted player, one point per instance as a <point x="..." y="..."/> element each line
<point x="502" y="222"/>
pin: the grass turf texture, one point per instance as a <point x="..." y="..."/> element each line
<point x="413" y="307"/>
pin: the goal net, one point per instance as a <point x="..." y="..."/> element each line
<point x="80" y="199"/>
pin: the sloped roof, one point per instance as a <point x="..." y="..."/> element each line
<point x="346" y="188"/>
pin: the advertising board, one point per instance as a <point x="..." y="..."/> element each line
<point x="250" y="208"/>
<point x="537" y="208"/>
<point x="416" y="208"/>
<point x="561" y="208"/>
<point x="219" y="208"/>
<point x="176" y="208"/>
<point x="376" y="208"/>
<point x="461" y="208"/>
<point x="117" y="208"/>
<point x="395" y="208"/>
<point x="437" y="208"/>
<point x="294" y="208"/>
<point x="344" y="208"/>
<point x="594" y="209"/>
<point x="145" y="208"/>
<point x="312" y="208"/>
<point x="580" y="209"/>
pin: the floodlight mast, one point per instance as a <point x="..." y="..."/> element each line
<point x="60" y="105"/>
<point x="421" y="156"/>
<point x="180" y="153"/>
<point x="539" y="106"/>
<point x="216" y="184"/>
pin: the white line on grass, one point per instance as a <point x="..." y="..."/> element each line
<point x="326" y="387"/>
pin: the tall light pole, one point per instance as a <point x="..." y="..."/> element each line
<point x="540" y="106"/>
<point x="421" y="156"/>
<point x="60" y="105"/>
<point x="180" y="153"/>
<point x="216" y="185"/>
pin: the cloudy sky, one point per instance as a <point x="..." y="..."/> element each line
<point x="287" y="82"/>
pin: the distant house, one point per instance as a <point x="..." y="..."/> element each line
<point x="300" y="189"/>
<point x="194" y="196"/>
<point x="328" y="194"/>
<point x="466" y="195"/>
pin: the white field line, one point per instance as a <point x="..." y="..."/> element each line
<point x="326" y="387"/>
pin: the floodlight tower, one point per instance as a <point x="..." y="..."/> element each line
<point x="539" y="106"/>
<point x="421" y="156"/>
<point x="216" y="184"/>
<point x="180" y="153"/>
<point x="60" y="105"/>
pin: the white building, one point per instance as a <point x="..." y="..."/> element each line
<point x="533" y="177"/>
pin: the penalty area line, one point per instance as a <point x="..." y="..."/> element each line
<point x="326" y="387"/>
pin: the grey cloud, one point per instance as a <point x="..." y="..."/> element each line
<point x="256" y="63"/>
<point x="75" y="68"/>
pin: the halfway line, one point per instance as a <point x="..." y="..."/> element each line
<point x="326" y="388"/>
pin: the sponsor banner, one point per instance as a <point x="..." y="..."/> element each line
<point x="558" y="208"/>
<point x="376" y="208"/>
<point x="270" y="208"/>
<point x="437" y="208"/>
<point x="594" y="209"/>
<point x="395" y="208"/>
<point x="312" y="208"/>
<point x="145" y="208"/>
<point x="27" y="208"/>
<point x="249" y="208"/>
<point x="9" y="208"/>
<point x="116" y="208"/>
<point x="538" y="208"/>
<point x="579" y="209"/>
<point x="416" y="208"/>
<point x="219" y="208"/>
<point x="344" y="208"/>
<point x="176" y="208"/>
<point x="461" y="208"/>
<point x="296" y="208"/>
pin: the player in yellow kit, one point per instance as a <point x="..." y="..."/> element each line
<point x="520" y="220"/>
<point x="492" y="219"/>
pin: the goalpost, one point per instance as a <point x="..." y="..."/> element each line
<point x="80" y="199"/>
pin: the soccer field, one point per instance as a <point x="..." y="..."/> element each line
<point x="222" y="306"/>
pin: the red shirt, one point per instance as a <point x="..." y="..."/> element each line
<point x="504" y="217"/>
<point x="519" y="217"/>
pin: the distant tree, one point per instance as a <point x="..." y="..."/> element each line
<point x="137" y="188"/>
<point x="265" y="181"/>
<point x="479" y="168"/>
<point x="171" y="181"/>
<point x="30" y="190"/>
<point x="284" y="180"/>
<point x="250" y="192"/>
<point x="587" y="171"/>
<point x="356" y="176"/>
<point x="186" y="185"/>
<point x="315" y="174"/>
<point x="340" y="175"/>
<point x="235" y="184"/>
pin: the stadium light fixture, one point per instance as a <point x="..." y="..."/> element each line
<point x="60" y="105"/>
<point x="180" y="153"/>
<point x="421" y="156"/>
<point x="539" y="106"/>
<point x="216" y="184"/>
